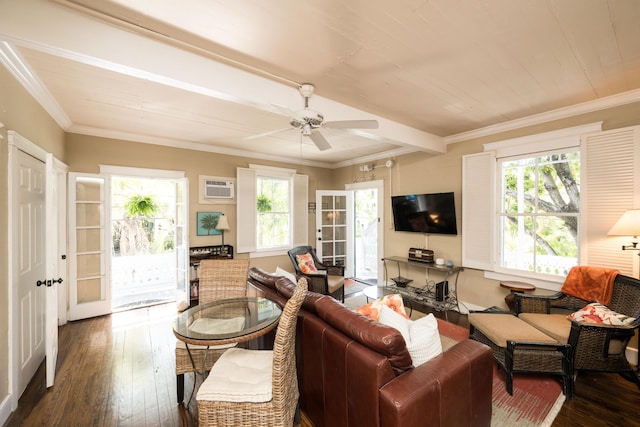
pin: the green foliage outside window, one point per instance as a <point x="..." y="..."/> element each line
<point x="274" y="210"/>
<point x="540" y="212"/>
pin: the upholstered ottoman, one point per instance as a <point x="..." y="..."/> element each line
<point x="519" y="347"/>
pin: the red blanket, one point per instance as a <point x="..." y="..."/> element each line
<point x="590" y="283"/>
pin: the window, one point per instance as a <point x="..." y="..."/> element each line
<point x="522" y="205"/>
<point x="273" y="204"/>
<point x="272" y="210"/>
<point x="538" y="216"/>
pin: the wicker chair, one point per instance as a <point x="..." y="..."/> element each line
<point x="329" y="280"/>
<point x="593" y="346"/>
<point x="280" y="409"/>
<point x="219" y="278"/>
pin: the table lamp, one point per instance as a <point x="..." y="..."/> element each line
<point x="222" y="225"/>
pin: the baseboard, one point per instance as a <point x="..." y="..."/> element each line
<point x="5" y="410"/>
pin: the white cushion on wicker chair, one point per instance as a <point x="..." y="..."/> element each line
<point x="239" y="375"/>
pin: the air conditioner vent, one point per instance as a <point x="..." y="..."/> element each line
<point x="218" y="189"/>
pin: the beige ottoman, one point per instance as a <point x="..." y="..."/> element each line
<point x="519" y="347"/>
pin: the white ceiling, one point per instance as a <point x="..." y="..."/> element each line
<point x="207" y="74"/>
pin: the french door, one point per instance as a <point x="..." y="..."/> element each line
<point x="333" y="227"/>
<point x="338" y="241"/>
<point x="90" y="241"/>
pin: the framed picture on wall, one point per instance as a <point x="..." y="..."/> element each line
<point x="207" y="222"/>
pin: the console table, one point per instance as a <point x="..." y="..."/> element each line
<point x="441" y="296"/>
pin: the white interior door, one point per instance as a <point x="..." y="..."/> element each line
<point x="182" y="240"/>
<point x="333" y="227"/>
<point x="56" y="213"/>
<point x="27" y="184"/>
<point x="89" y="293"/>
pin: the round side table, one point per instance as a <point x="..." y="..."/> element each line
<point x="515" y="287"/>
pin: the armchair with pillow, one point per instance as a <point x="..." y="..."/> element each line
<point x="596" y="312"/>
<point x="323" y="279"/>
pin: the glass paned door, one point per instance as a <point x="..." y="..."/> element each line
<point x="182" y="240"/>
<point x="333" y="227"/>
<point x="89" y="293"/>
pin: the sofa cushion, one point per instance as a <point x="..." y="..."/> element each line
<point x="500" y="328"/>
<point x="600" y="314"/>
<point x="555" y="325"/>
<point x="421" y="336"/>
<point x="381" y="338"/>
<point x="262" y="277"/>
<point x="286" y="287"/>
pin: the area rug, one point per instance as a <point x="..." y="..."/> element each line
<point x="352" y="287"/>
<point x="536" y="399"/>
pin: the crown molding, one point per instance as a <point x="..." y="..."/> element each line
<point x="557" y="114"/>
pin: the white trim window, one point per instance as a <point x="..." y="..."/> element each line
<point x="522" y="206"/>
<point x="538" y="215"/>
<point x="272" y="210"/>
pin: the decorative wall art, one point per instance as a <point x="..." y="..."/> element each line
<point x="207" y="222"/>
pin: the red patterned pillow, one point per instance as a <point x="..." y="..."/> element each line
<point x="306" y="264"/>
<point x="598" y="313"/>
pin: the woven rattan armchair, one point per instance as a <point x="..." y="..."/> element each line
<point x="219" y="278"/>
<point x="280" y="409"/>
<point x="594" y="347"/>
<point x="328" y="280"/>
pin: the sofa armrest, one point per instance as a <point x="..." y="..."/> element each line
<point x="424" y="395"/>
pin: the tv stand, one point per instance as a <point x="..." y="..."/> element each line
<point x="441" y="296"/>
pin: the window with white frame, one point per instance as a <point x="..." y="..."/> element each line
<point x="522" y="205"/>
<point x="273" y="204"/>
<point x="272" y="210"/>
<point x="539" y="212"/>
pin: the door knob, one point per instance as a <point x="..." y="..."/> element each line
<point x="49" y="282"/>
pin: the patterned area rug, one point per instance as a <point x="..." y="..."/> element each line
<point x="352" y="287"/>
<point x="536" y="400"/>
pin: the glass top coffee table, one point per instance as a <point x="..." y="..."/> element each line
<point x="230" y="320"/>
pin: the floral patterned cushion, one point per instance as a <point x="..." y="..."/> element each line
<point x="598" y="313"/>
<point x="306" y="264"/>
<point x="372" y="310"/>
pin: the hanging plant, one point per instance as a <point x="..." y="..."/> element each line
<point x="138" y="205"/>
<point x="263" y="203"/>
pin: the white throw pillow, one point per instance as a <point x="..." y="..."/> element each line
<point x="422" y="336"/>
<point x="282" y="272"/>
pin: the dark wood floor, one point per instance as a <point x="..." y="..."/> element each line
<point x="119" y="370"/>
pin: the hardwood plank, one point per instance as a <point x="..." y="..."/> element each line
<point x="119" y="370"/>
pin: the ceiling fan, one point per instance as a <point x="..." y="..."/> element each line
<point x="309" y="122"/>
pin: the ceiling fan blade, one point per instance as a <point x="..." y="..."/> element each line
<point x="320" y="141"/>
<point x="260" y="135"/>
<point x="352" y="124"/>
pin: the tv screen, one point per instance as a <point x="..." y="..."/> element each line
<point x="425" y="213"/>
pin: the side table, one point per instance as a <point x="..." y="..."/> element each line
<point x="515" y="287"/>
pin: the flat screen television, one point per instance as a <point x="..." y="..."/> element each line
<point x="425" y="213"/>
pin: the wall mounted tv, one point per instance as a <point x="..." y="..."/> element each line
<point x="425" y="213"/>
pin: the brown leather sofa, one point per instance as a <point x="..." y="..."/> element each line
<point x="353" y="371"/>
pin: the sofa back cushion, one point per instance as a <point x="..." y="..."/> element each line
<point x="261" y="277"/>
<point x="286" y="287"/>
<point x="382" y="339"/>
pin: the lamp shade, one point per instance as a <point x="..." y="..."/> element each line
<point x="627" y="225"/>
<point x="223" y="224"/>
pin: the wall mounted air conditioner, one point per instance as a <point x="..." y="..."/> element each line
<point x="218" y="189"/>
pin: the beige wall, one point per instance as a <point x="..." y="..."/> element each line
<point x="419" y="173"/>
<point x="18" y="112"/>
<point x="86" y="153"/>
